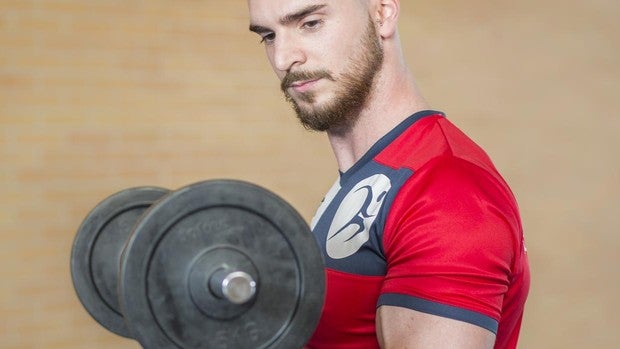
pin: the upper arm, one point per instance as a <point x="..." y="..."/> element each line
<point x="404" y="328"/>
<point x="450" y="255"/>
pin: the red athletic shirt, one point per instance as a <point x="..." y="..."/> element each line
<point x="423" y="221"/>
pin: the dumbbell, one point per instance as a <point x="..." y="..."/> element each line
<point x="215" y="264"/>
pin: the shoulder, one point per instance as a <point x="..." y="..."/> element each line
<point x="429" y="138"/>
<point x="453" y="203"/>
<point x="456" y="183"/>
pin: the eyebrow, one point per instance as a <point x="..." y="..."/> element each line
<point x="290" y="18"/>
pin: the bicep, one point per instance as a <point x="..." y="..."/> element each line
<point x="403" y="328"/>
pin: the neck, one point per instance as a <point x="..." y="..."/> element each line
<point x="393" y="98"/>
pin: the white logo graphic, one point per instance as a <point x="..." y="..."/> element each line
<point x="350" y="228"/>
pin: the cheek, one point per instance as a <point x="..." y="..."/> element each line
<point x="325" y="54"/>
<point x="334" y="50"/>
<point x="335" y="60"/>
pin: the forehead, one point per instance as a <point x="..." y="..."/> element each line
<point x="263" y="11"/>
<point x="266" y="9"/>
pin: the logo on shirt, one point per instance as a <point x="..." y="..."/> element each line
<point x="350" y="228"/>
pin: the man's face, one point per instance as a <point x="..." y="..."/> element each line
<point x="326" y="54"/>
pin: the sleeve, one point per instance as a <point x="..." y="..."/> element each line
<point x="449" y="241"/>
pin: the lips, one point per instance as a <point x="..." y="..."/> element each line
<point x="302" y="86"/>
<point x="303" y="80"/>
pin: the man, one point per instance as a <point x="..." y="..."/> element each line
<point x="421" y="236"/>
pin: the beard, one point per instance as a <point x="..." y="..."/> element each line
<point x="354" y="87"/>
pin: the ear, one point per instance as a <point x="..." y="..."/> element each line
<point x="386" y="16"/>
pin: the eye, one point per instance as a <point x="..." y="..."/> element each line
<point x="314" y="24"/>
<point x="268" y="38"/>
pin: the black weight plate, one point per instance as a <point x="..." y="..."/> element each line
<point x="97" y="249"/>
<point x="200" y="228"/>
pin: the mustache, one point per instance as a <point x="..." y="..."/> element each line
<point x="292" y="77"/>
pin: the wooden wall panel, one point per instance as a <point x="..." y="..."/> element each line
<point x="97" y="96"/>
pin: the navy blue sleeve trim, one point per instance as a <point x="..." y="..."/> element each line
<point x="443" y="310"/>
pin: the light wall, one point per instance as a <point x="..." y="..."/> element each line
<point x="97" y="96"/>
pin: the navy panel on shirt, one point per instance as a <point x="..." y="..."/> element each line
<point x="349" y="224"/>
<point x="350" y="229"/>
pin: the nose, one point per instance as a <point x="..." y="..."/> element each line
<point x="287" y="53"/>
